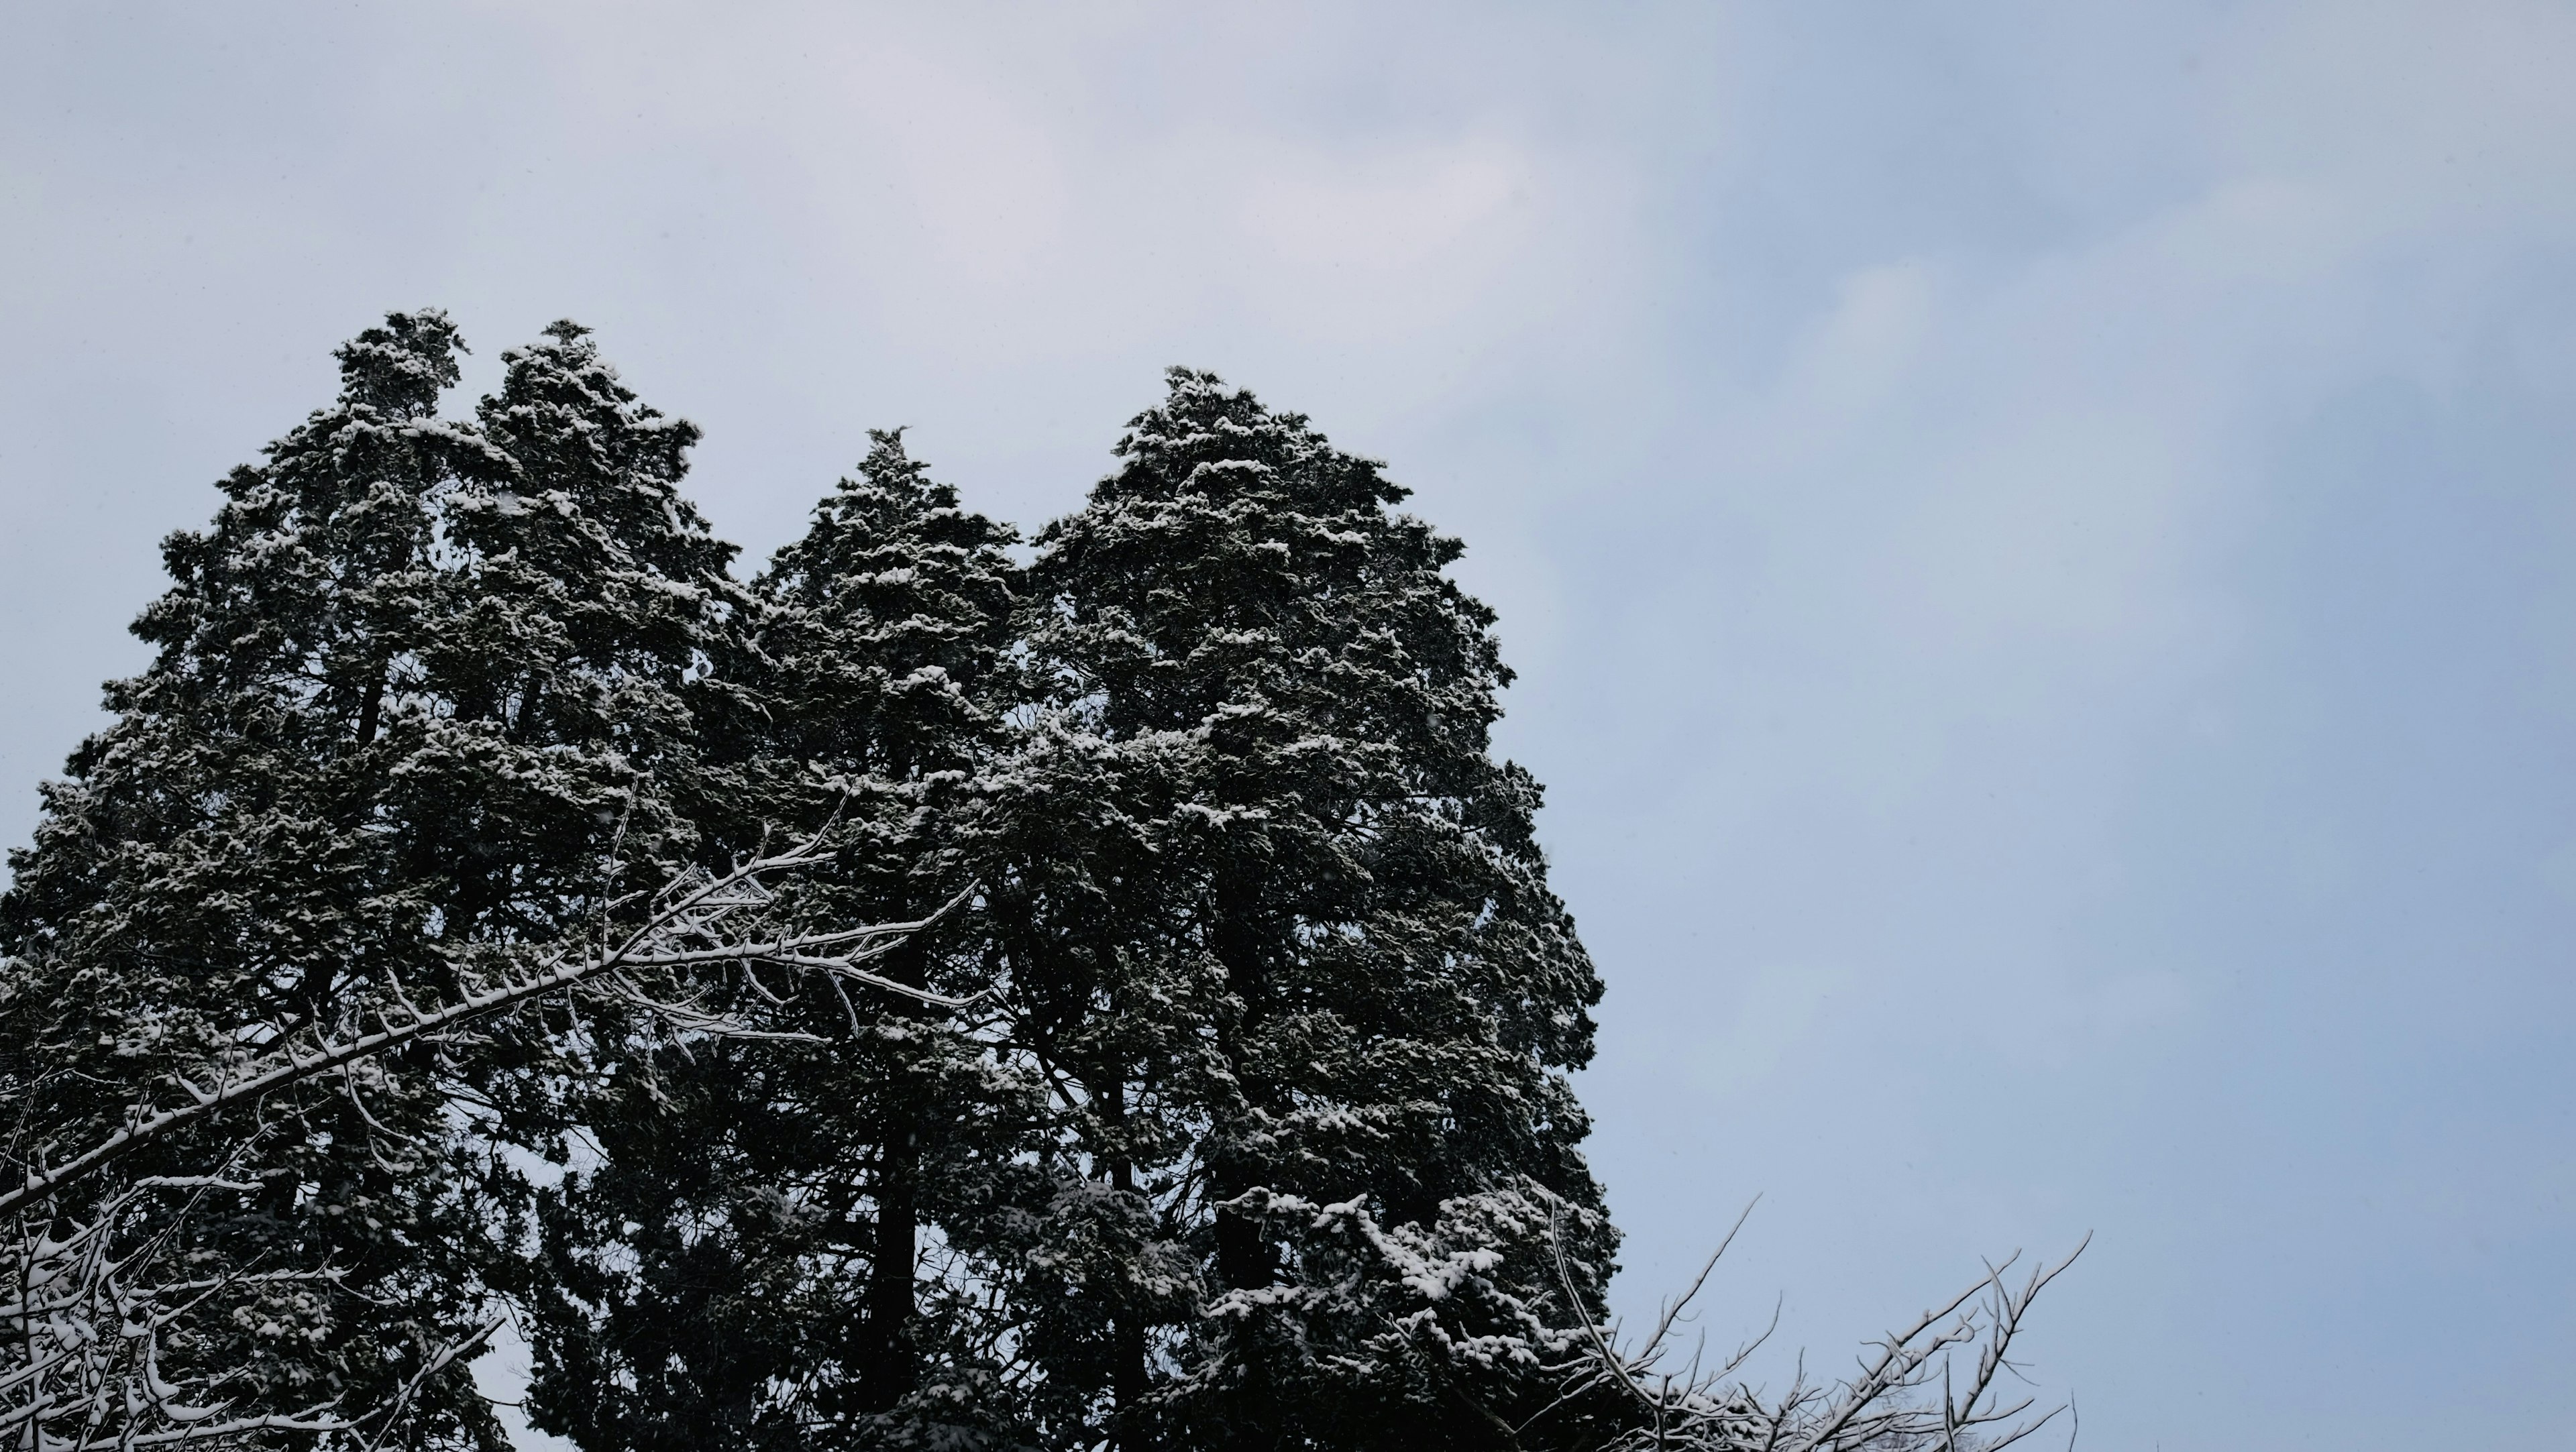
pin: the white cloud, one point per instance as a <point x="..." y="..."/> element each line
<point x="1392" y="214"/>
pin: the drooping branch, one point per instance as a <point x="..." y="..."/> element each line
<point x="89" y="1315"/>
<point x="87" y="1307"/>
<point x="684" y="927"/>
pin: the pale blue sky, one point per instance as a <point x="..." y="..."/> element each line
<point x="2035" y="537"/>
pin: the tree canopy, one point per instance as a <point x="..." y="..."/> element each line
<point x="1231" y="1110"/>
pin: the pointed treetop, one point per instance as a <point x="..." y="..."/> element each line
<point x="889" y="464"/>
<point x="1208" y="437"/>
<point x="403" y="366"/>
<point x="567" y="373"/>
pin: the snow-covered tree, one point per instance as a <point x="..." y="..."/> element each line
<point x="1201" y="1083"/>
<point x="583" y="595"/>
<point x="1283" y="943"/>
<point x="114" y="1317"/>
<point x="223" y="868"/>
<point x="782" y="1243"/>
<point x="419" y="712"/>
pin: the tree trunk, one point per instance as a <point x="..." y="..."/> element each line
<point x="371" y="709"/>
<point x="892" y="1367"/>
<point x="1242" y="1257"/>
<point x="1127" y="1382"/>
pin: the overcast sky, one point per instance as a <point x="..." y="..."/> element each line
<point x="2036" y="538"/>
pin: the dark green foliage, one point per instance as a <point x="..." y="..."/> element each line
<point x="776" y="1293"/>
<point x="585" y="594"/>
<point x="412" y="685"/>
<point x="1281" y="931"/>
<point x="226" y="862"/>
<point x="1261" y="1136"/>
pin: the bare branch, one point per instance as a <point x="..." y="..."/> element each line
<point x="1878" y="1409"/>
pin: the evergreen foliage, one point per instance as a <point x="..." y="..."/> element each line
<point x="1285" y="938"/>
<point x="585" y="592"/>
<point x="745" y="1267"/>
<point x="1258" y="1134"/>
<point x="227" y="861"/>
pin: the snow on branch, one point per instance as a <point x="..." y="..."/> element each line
<point x="688" y="924"/>
<point x="95" y="1342"/>
<point x="97" y="1327"/>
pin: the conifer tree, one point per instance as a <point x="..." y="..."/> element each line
<point x="585" y="595"/>
<point x="1283" y="939"/>
<point x="587" y="600"/>
<point x="423" y="702"/>
<point x="1261" y="1138"/>
<point x="743" y="1268"/>
<point x="221" y="867"/>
